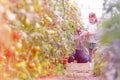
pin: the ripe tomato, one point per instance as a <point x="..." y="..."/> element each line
<point x="1" y="57"/>
<point x="64" y="61"/>
<point x="8" y="54"/>
<point x="35" y="49"/>
<point x="31" y="65"/>
<point x="15" y="35"/>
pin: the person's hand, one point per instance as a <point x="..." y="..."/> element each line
<point x="86" y="33"/>
<point x="89" y="33"/>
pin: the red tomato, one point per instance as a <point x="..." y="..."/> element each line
<point x="65" y="61"/>
<point x="15" y="35"/>
<point x="8" y="54"/>
<point x="1" y="57"/>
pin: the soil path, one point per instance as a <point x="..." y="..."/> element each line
<point x="76" y="71"/>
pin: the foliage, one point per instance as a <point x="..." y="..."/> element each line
<point x="39" y="37"/>
<point x="109" y="42"/>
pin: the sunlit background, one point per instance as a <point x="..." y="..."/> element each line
<point x="87" y="6"/>
<point x="37" y="37"/>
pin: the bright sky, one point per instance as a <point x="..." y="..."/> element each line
<point x="87" y="6"/>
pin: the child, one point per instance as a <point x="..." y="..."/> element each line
<point x="91" y="34"/>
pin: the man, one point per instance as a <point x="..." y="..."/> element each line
<point x="80" y="54"/>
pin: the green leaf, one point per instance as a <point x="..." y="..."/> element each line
<point x="71" y="24"/>
<point x="27" y="24"/>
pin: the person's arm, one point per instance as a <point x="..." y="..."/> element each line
<point x="90" y="33"/>
<point x="80" y="36"/>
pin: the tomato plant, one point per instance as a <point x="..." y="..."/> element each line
<point x="41" y="33"/>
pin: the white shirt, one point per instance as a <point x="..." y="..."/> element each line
<point x="92" y="28"/>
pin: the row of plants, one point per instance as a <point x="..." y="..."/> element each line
<point x="107" y="57"/>
<point x="36" y="37"/>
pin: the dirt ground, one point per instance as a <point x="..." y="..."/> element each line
<point x="76" y="71"/>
